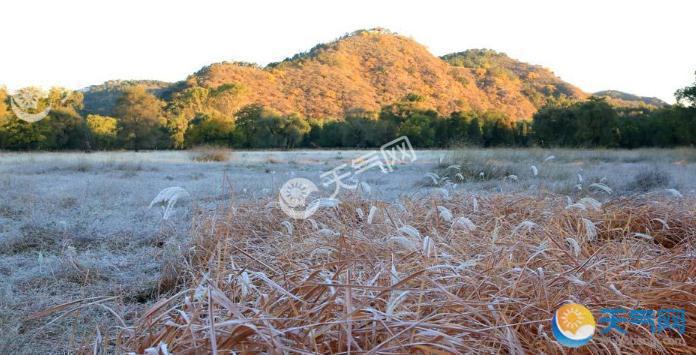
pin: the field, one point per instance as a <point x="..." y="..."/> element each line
<point x="458" y="251"/>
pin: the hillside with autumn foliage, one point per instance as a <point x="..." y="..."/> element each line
<point x="371" y="68"/>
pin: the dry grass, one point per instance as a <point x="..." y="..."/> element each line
<point x="251" y="283"/>
<point x="210" y="153"/>
<point x="82" y="245"/>
<point x="650" y="179"/>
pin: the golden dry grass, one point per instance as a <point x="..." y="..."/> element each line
<point x="336" y="283"/>
<point x="210" y="153"/>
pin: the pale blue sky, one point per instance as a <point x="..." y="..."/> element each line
<point x="642" y="47"/>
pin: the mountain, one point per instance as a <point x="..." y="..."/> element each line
<point x="619" y="98"/>
<point x="509" y="82"/>
<point x="101" y="99"/>
<point x="370" y="68"/>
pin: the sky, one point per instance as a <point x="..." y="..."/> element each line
<point x="642" y="47"/>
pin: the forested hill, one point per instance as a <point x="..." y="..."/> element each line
<point x="101" y="99"/>
<point x="623" y="99"/>
<point x="366" y="70"/>
<point x="519" y="87"/>
<point x="371" y="68"/>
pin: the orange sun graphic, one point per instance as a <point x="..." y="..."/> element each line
<point x="571" y="319"/>
<point x="573" y="316"/>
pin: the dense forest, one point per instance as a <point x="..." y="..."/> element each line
<point x="361" y="90"/>
<point x="142" y="121"/>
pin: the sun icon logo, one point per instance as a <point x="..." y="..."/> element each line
<point x="293" y="197"/>
<point x="573" y="325"/>
<point x="296" y="192"/>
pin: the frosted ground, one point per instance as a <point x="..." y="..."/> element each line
<point x="75" y="225"/>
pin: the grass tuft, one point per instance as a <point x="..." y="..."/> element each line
<point x="649" y="180"/>
<point x="211" y="154"/>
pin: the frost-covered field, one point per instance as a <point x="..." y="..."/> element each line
<point x="75" y="225"/>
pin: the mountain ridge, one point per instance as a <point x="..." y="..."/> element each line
<point x="367" y="69"/>
<point x="620" y="98"/>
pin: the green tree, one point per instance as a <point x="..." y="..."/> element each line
<point x="595" y="123"/>
<point x="189" y="101"/>
<point x="521" y="132"/>
<point x="295" y="127"/>
<point x="264" y="128"/>
<point x="195" y="102"/>
<point x="210" y="128"/>
<point x="687" y="95"/>
<point x="420" y="130"/>
<point x="311" y="139"/>
<point x="63" y="128"/>
<point x="357" y="131"/>
<point x="176" y="127"/>
<point x="404" y="108"/>
<point x="473" y="131"/>
<point x="16" y="134"/>
<point x="140" y="119"/>
<point x="331" y="134"/>
<point x="554" y="125"/>
<point x="248" y="125"/>
<point x="496" y="129"/>
<point x="103" y="131"/>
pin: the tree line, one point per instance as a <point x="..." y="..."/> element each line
<point x="203" y="116"/>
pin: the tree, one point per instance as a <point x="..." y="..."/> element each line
<point x="496" y="129"/>
<point x="4" y="111"/>
<point x="177" y="127"/>
<point x="209" y="128"/>
<point x="103" y="131"/>
<point x="331" y="134"/>
<point x="63" y="128"/>
<point x="687" y="95"/>
<point x="406" y="107"/>
<point x="554" y="125"/>
<point x="356" y="131"/>
<point x="16" y="134"/>
<point x="295" y="127"/>
<point x="225" y="98"/>
<point x="420" y="130"/>
<point x="190" y="101"/>
<point x="195" y="102"/>
<point x="521" y="134"/>
<point x="595" y="122"/>
<point x="248" y="119"/>
<point x="140" y="119"/>
<point x="311" y="139"/>
<point x="63" y="98"/>
<point x="473" y="131"/>
<point x="265" y="128"/>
